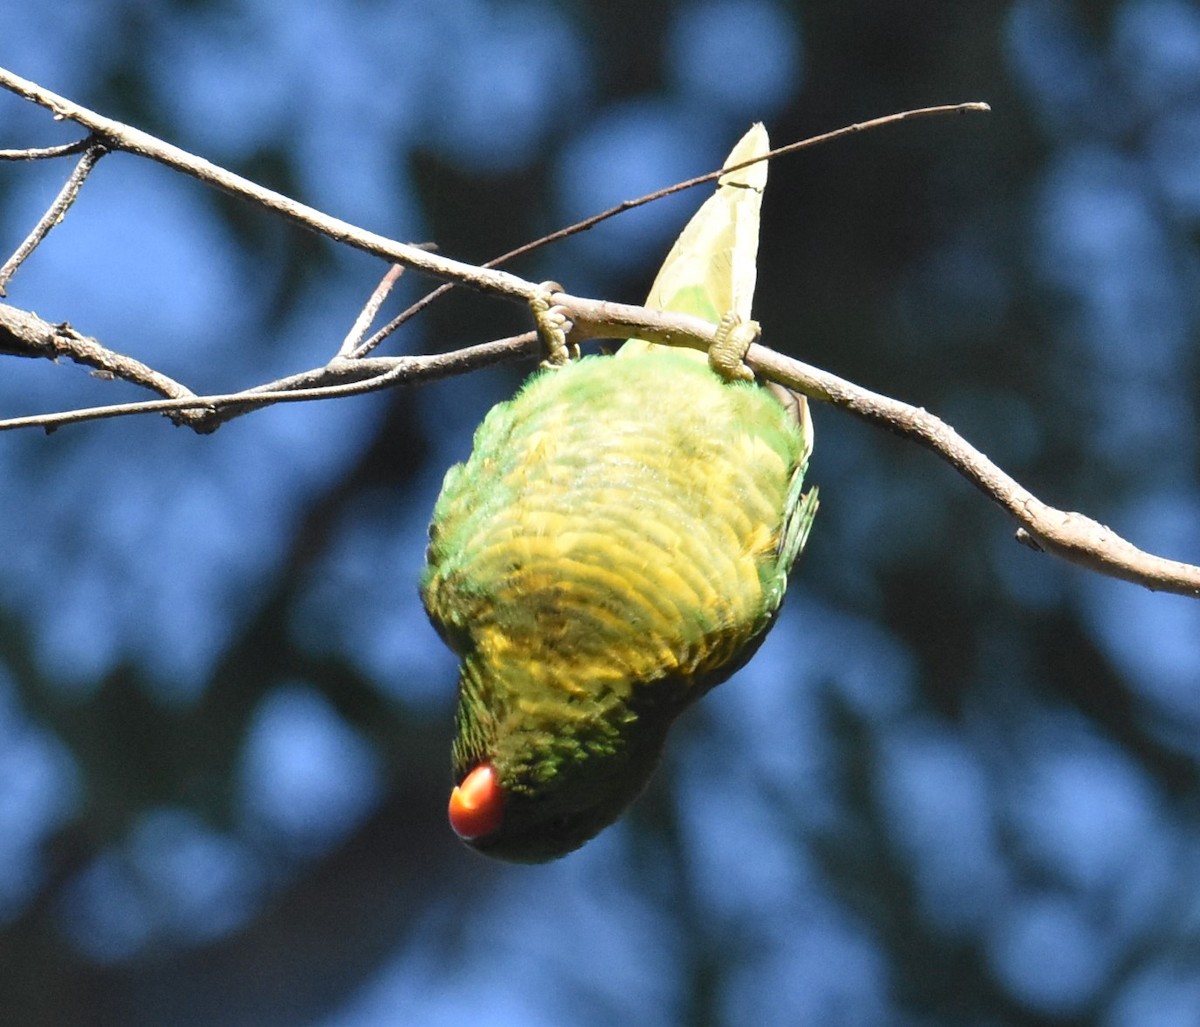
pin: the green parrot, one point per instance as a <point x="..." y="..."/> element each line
<point x="618" y="543"/>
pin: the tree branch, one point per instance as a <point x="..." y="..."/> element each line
<point x="46" y="152"/>
<point x="24" y="334"/>
<point x="118" y="136"/>
<point x="55" y="213"/>
<point x="1072" y="536"/>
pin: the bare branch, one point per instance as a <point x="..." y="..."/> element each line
<point x="1071" y="536"/>
<point x="848" y="130"/>
<point x="47" y="152"/>
<point x="626" y="205"/>
<point x="23" y="334"/>
<point x="340" y="378"/>
<point x="54" y="213"/>
<point x="118" y="136"/>
<point x="349" y="376"/>
<point x="350" y="345"/>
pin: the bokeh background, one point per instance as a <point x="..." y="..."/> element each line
<point x="958" y="785"/>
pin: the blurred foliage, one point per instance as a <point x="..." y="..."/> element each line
<point x="958" y="785"/>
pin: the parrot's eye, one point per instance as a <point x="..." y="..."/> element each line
<point x="477" y="805"/>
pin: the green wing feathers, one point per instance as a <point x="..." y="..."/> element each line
<point x="593" y="541"/>
<point x="633" y="519"/>
<point x="618" y="542"/>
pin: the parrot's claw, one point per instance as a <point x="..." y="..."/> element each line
<point x="553" y="326"/>
<point x="727" y="354"/>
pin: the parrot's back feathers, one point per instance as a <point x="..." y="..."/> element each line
<point x="618" y="543"/>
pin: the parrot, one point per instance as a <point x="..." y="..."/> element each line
<point x="617" y="543"/>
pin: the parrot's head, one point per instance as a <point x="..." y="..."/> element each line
<point x="534" y="784"/>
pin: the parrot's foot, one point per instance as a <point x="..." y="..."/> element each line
<point x="727" y="354"/>
<point x="552" y="326"/>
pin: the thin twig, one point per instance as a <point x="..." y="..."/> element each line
<point x="348" y="378"/>
<point x="119" y="136"/>
<point x="626" y="205"/>
<point x="369" y="312"/>
<point x="847" y="130"/>
<point x="54" y="213"/>
<point x="47" y="152"/>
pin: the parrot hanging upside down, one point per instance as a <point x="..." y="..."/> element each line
<point x="617" y="544"/>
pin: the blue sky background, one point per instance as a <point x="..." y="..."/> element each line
<point x="958" y="783"/>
